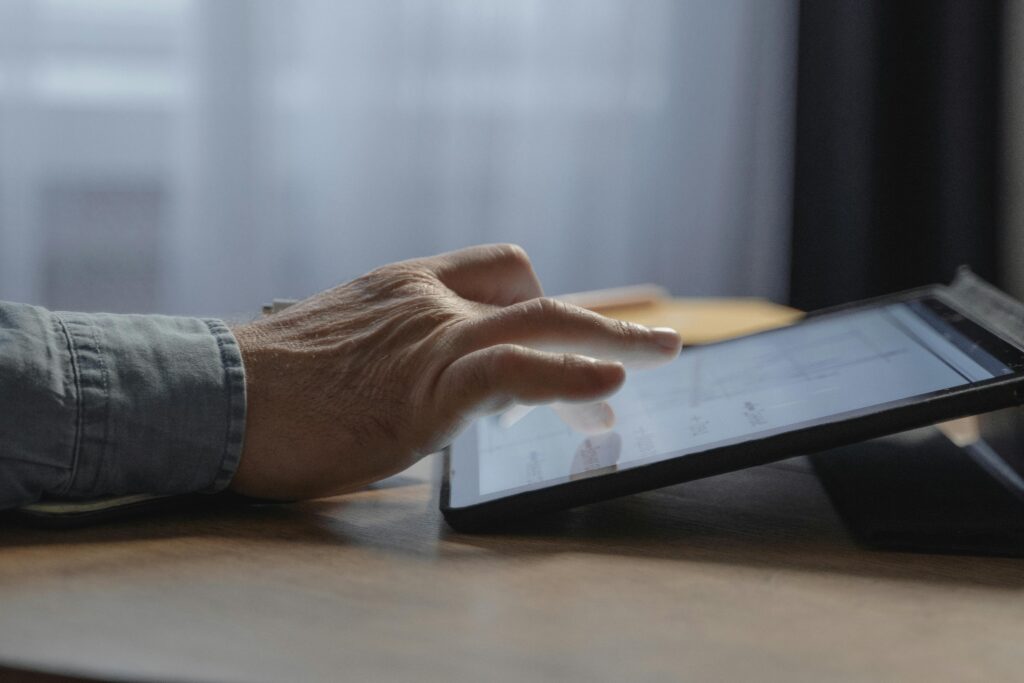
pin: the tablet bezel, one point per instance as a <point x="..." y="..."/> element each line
<point x="845" y="428"/>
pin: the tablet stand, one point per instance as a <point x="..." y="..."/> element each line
<point x="918" y="491"/>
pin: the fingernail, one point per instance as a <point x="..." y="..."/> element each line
<point x="667" y="337"/>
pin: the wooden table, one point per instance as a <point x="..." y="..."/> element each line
<point x="746" y="576"/>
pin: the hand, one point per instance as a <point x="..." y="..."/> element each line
<point x="358" y="382"/>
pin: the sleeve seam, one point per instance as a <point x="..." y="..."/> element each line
<point x="79" y="412"/>
<point x="233" y="432"/>
<point x="105" y="377"/>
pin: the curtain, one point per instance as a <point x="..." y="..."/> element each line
<point x="897" y="146"/>
<point x="202" y="157"/>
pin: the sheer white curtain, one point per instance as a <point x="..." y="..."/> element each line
<point x="276" y="148"/>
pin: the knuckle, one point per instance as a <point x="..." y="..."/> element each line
<point x="580" y="373"/>
<point x="568" y="364"/>
<point x="545" y="307"/>
<point x="505" y="364"/>
<point x="575" y="365"/>
<point x="514" y="254"/>
<point x="505" y="358"/>
<point x="627" y="331"/>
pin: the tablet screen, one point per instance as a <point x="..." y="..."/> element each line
<point x="819" y="370"/>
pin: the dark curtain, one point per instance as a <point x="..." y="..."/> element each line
<point x="896" y="163"/>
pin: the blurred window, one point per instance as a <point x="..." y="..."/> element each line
<point x="199" y="157"/>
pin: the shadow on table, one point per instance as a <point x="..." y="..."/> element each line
<point x="213" y="516"/>
<point x="774" y="516"/>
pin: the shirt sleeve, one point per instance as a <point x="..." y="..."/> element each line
<point x="101" y="404"/>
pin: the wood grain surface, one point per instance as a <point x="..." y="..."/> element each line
<point x="745" y="576"/>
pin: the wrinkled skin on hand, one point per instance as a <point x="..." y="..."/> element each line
<point x="357" y="383"/>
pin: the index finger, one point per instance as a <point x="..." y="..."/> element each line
<point x="550" y="325"/>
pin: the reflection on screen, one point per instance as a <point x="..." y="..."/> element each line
<point x="730" y="392"/>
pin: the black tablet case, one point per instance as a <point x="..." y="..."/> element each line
<point x="920" y="492"/>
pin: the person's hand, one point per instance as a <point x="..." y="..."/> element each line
<point x="358" y="382"/>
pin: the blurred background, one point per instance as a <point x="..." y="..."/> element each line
<point x="202" y="157"/>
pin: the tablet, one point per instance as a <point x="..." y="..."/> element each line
<point x="836" y="377"/>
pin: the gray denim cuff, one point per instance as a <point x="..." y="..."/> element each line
<point x="160" y="405"/>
